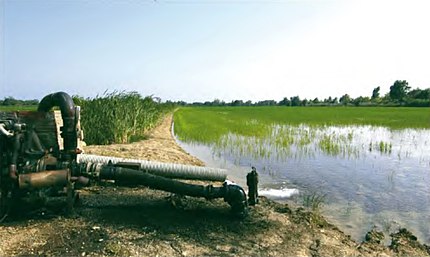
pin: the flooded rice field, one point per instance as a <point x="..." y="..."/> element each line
<point x="357" y="176"/>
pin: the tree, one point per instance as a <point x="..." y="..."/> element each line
<point x="305" y="102"/>
<point x="399" y="90"/>
<point x="266" y="103"/>
<point x="334" y="101"/>
<point x="295" y="101"/>
<point x="285" y="102"/>
<point x="216" y="102"/>
<point x="419" y="94"/>
<point x="237" y="103"/>
<point x="361" y="100"/>
<point x="10" y="101"/>
<point x="248" y="103"/>
<point x="357" y="101"/>
<point x="328" y="100"/>
<point x="316" y="100"/>
<point x="375" y="93"/>
<point x="345" y="99"/>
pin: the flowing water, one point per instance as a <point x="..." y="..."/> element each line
<point x="365" y="175"/>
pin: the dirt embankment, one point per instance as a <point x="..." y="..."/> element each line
<point x="138" y="221"/>
<point x="160" y="146"/>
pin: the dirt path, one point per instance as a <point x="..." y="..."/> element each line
<point x="118" y="221"/>
<point x="160" y="146"/>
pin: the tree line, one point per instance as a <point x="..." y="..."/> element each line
<point x="400" y="94"/>
<point x="10" y="101"/>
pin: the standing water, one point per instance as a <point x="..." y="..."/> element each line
<point x="359" y="176"/>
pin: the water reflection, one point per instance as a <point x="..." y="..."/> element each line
<point x="369" y="175"/>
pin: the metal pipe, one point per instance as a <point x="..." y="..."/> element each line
<point x="35" y="141"/>
<point x="14" y="158"/>
<point x="44" y="179"/>
<point x="169" y="170"/>
<point x="81" y="180"/>
<point x="232" y="193"/>
<point x="68" y="113"/>
<point x="158" y="182"/>
<point x="32" y="145"/>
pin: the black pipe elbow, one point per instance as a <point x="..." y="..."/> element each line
<point x="68" y="113"/>
<point x="60" y="99"/>
<point x="235" y="196"/>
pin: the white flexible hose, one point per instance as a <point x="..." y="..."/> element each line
<point x="170" y="170"/>
<point x="4" y="131"/>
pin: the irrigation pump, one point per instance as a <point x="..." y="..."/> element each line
<point x="32" y="164"/>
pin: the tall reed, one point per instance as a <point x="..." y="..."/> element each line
<point x="118" y="117"/>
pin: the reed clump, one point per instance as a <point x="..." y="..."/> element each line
<point x="314" y="200"/>
<point x="119" y="117"/>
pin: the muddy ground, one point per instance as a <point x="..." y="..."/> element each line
<point x="118" y="221"/>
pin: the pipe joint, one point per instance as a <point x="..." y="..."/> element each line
<point x="68" y="114"/>
<point x="235" y="196"/>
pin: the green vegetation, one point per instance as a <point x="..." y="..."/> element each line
<point x="279" y="133"/>
<point x="314" y="200"/>
<point x="8" y="108"/>
<point x="209" y="124"/>
<point x="382" y="147"/>
<point x="10" y="101"/>
<point x="119" y="117"/>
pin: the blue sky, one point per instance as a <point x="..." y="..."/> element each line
<point x="203" y="50"/>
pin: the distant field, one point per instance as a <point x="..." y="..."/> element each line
<point x="207" y="124"/>
<point x="18" y="108"/>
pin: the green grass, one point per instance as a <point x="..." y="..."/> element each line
<point x="209" y="124"/>
<point x="8" y="108"/>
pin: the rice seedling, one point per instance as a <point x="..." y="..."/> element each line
<point x="329" y="145"/>
<point x="278" y="133"/>
<point x="208" y="124"/>
<point x="382" y="147"/>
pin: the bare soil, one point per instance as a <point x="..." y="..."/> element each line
<point x="159" y="146"/>
<point x="119" y="221"/>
